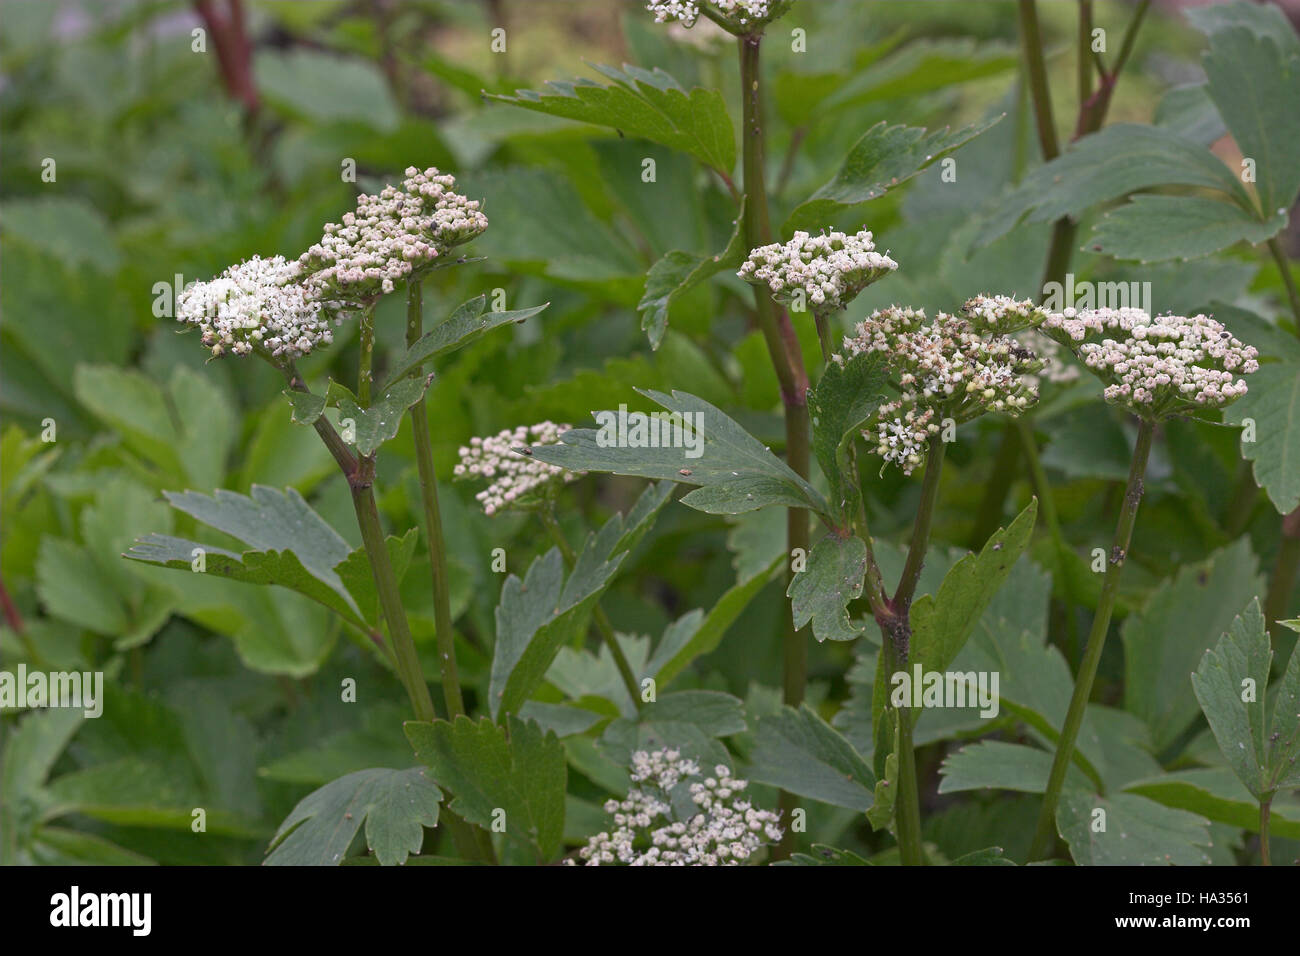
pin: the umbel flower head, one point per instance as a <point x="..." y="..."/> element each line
<point x="955" y="367"/>
<point x="391" y="236"/>
<point x="737" y="16"/>
<point x="1157" y="366"/>
<point x="824" y="273"/>
<point x="724" y="828"/>
<point x="258" y="305"/>
<point x="516" y="478"/>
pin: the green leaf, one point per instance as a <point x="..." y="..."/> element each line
<point x="396" y="806"/>
<point x="822" y="591"/>
<point x="537" y="615"/>
<point x="136" y="407"/>
<point x="354" y="571"/>
<point x="1164" y="643"/>
<point x="941" y="623"/>
<point x="71" y="586"/>
<point x="822" y="855"/>
<point x="1156" y="228"/>
<point x="687" y="720"/>
<point x="646" y="104"/>
<point x="32" y="750"/>
<point x="1231" y="685"/>
<point x="678" y="272"/>
<point x="1113" y="162"/>
<point x="380" y="422"/>
<point x="308" y="407"/>
<point x="885" y="157"/>
<point x="1138" y="831"/>
<point x="1263" y="19"/>
<point x="695" y="634"/>
<point x="326" y="88"/>
<point x="1273" y="403"/>
<point x="1255" y="82"/>
<point x="293" y="546"/>
<point x="468" y="323"/>
<point x="922" y="66"/>
<point x="992" y="856"/>
<point x="735" y="471"/>
<point x="64" y="228"/>
<point x="845" y="398"/>
<point x="992" y="764"/>
<point x="1216" y="794"/>
<point x="801" y="753"/>
<point x="516" y="769"/>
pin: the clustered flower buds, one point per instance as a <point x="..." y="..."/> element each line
<point x="1158" y="366"/>
<point x="726" y="830"/>
<point x="823" y="272"/>
<point x="256" y="305"/>
<point x="517" y="477"/>
<point x="737" y="13"/>
<point x="956" y="367"/>
<point x="390" y="237"/>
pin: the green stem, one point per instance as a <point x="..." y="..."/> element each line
<point x="825" y="335"/>
<point x="1288" y="281"/>
<point x="1046" y="831"/>
<point x="407" y="660"/>
<point x="446" y="636"/>
<point x="897" y="632"/>
<point x="470" y="841"/>
<point x="603" y="623"/>
<point x="920" y="531"/>
<point x="907" y="810"/>
<point x="787" y="362"/>
<point x="1265" y="811"/>
<point x="367" y="324"/>
<point x="779" y="336"/>
<point x="1031" y="40"/>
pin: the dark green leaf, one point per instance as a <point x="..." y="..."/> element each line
<point x="801" y="753"/>
<point x="648" y="104"/>
<point x="396" y="806"/>
<point x="516" y="770"/>
<point x="882" y="159"/>
<point x="1156" y="228"/>
<point x="736" y="472"/>
<point x="822" y="591"/>
<point x="1137" y="831"/>
<point x="468" y="323"/>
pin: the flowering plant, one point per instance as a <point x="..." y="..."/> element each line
<point x="862" y="494"/>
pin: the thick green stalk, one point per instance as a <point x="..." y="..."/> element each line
<point x="367" y="324"/>
<point x="1046" y="832"/>
<point x="782" y="343"/>
<point x="603" y="623"/>
<point x="1265" y="807"/>
<point x="446" y="636"/>
<point x="787" y="362"/>
<point x="390" y="599"/>
<point x="897" y="632"/>
<point x="920" y="530"/>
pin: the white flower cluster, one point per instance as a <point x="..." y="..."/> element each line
<point x="257" y="304"/>
<point x="1158" y="366"/>
<point x="725" y="830"/>
<point x="516" y="476"/>
<point x="740" y="12"/>
<point x="944" y="369"/>
<point x="826" y="271"/>
<point x="1002" y="314"/>
<point x="390" y="236"/>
